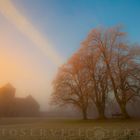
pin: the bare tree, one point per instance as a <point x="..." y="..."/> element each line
<point x="118" y="61"/>
<point x="70" y="86"/>
<point x="104" y="65"/>
<point x="98" y="85"/>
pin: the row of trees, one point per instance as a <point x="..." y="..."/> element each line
<point x="105" y="68"/>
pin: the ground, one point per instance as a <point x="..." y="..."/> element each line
<point x="64" y="129"/>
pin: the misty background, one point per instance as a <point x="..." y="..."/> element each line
<point x="64" y="24"/>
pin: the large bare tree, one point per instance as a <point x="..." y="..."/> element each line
<point x="119" y="61"/>
<point x="71" y="85"/>
<point x="98" y="87"/>
<point x="105" y="65"/>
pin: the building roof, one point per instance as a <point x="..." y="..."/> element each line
<point x="9" y="86"/>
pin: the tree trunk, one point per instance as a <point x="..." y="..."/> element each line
<point x="84" y="113"/>
<point x="101" y="113"/>
<point x="124" y="111"/>
<point x="121" y="105"/>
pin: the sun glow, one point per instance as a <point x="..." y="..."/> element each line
<point x="22" y="24"/>
<point x="26" y="74"/>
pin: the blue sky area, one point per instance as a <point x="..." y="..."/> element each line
<point x="67" y="22"/>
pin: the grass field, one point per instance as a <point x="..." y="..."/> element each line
<point x="63" y="129"/>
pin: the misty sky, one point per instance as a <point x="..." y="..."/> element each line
<point x="37" y="36"/>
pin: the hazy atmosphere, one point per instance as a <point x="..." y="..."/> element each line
<point x="47" y="32"/>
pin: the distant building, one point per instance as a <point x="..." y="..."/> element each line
<point x="11" y="106"/>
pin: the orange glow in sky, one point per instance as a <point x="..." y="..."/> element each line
<point x="17" y="65"/>
<point x="23" y="25"/>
